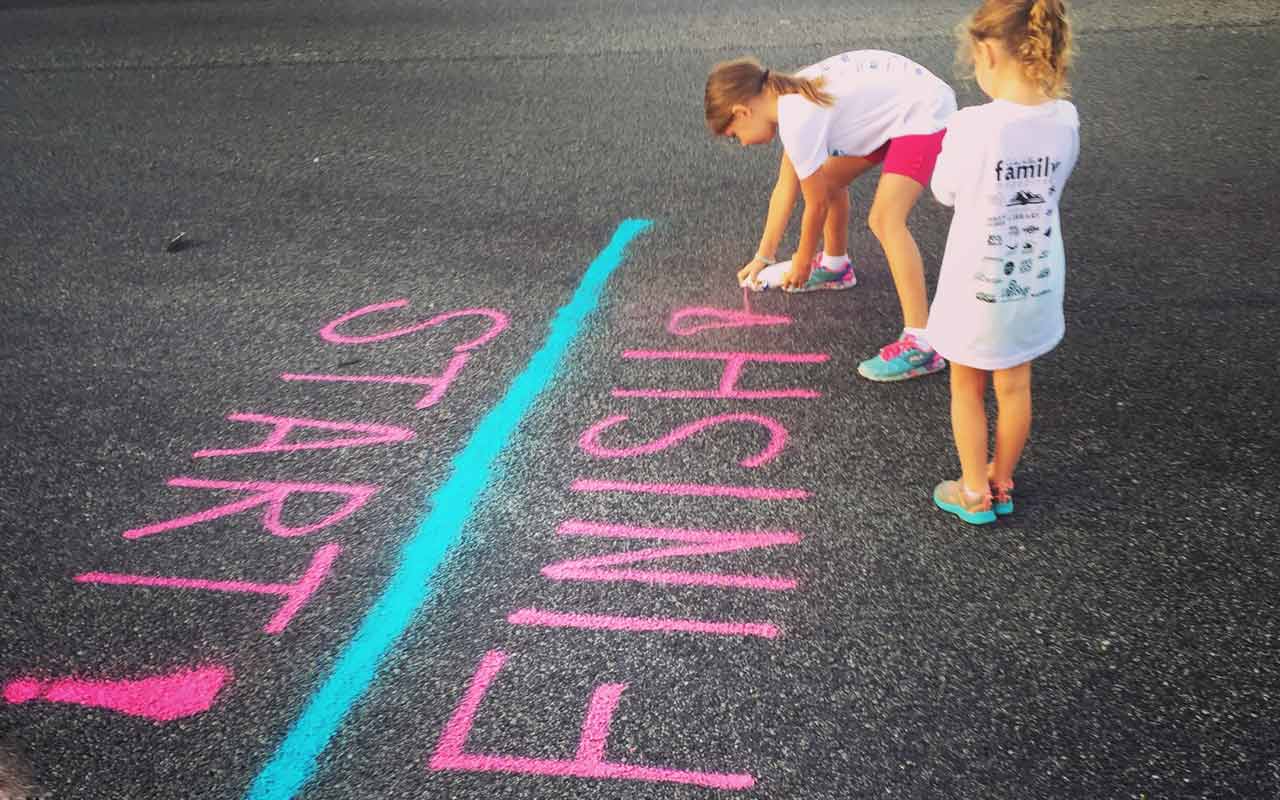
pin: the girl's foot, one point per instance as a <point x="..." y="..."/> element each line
<point x="951" y="496"/>
<point x="900" y="360"/>
<point x="821" y="277"/>
<point x="1001" y="493"/>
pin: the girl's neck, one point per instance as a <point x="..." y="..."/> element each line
<point x="1012" y="86"/>
<point x="768" y="105"/>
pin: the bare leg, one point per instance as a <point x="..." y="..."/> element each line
<point x="835" y="233"/>
<point x="895" y="197"/>
<point x="1013" y="419"/>
<point x="841" y="171"/>
<point x="969" y="424"/>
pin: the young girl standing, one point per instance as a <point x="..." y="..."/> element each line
<point x="837" y="119"/>
<point x="998" y="305"/>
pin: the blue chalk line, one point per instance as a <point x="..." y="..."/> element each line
<point x="450" y="507"/>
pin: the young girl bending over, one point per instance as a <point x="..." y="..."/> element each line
<point x="998" y="306"/>
<point x="837" y="119"/>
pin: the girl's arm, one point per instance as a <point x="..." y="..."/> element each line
<point x="945" y="180"/>
<point x="781" y="203"/>
<point x="817" y="198"/>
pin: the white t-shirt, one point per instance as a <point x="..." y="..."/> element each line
<point x="879" y="96"/>
<point x="999" y="298"/>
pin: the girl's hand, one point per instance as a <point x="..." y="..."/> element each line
<point x="797" y="276"/>
<point x="747" y="275"/>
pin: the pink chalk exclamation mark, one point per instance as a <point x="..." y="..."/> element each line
<point x="163" y="698"/>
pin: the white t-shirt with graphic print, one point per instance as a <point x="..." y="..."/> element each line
<point x="878" y="96"/>
<point x="1004" y="167"/>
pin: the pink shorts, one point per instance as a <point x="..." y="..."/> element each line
<point x="912" y="156"/>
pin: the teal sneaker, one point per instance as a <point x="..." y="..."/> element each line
<point x="821" y="278"/>
<point x="1001" y="494"/>
<point x="900" y="360"/>
<point x="951" y="497"/>
<point x="1002" y="500"/>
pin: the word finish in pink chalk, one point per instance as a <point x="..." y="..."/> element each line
<point x="699" y="543"/>
<point x="266" y="493"/>
<point x="689" y="490"/>
<point x="734" y="362"/>
<point x="554" y="619"/>
<point x="590" y="441"/>
<point x="295" y="594"/>
<point x="437" y="384"/>
<point x="682" y="322"/>
<point x="164" y="698"/>
<point x="498" y="322"/>
<point x="588" y="762"/>
<point x="283" y="426"/>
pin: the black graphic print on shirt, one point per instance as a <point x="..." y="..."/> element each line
<point x="1026" y="193"/>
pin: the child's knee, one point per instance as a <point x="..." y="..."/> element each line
<point x="885" y="223"/>
<point x="1012" y="383"/>
<point x="967" y="381"/>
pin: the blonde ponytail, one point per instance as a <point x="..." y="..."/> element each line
<point x="1036" y="32"/>
<point x="809" y="88"/>
<point x="741" y="80"/>
<point x="1046" y="50"/>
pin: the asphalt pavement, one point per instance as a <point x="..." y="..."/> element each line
<point x="275" y="522"/>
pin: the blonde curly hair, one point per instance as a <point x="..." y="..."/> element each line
<point x="1036" y="32"/>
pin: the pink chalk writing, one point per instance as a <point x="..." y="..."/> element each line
<point x="590" y="441"/>
<point x="437" y="384"/>
<point x="266" y="493"/>
<point x="689" y="489"/>
<point x="164" y="698"/>
<point x="595" y="725"/>
<point x="275" y="441"/>
<point x="718" y="318"/>
<point x="700" y="543"/>
<point x="734" y="362"/>
<point x="295" y="594"/>
<point x="554" y="619"/>
<point x="497" y="324"/>
<point x="588" y="762"/>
